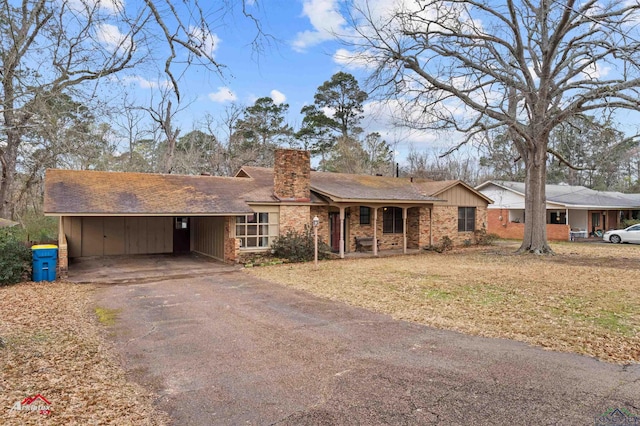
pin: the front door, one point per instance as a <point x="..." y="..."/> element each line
<point x="181" y="236"/>
<point x="334" y="220"/>
<point x="595" y="222"/>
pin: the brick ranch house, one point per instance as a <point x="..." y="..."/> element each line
<point x="114" y="213"/>
<point x="572" y="211"/>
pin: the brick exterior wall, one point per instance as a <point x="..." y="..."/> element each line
<point x="292" y="175"/>
<point x="418" y="227"/>
<point x="231" y="245"/>
<point x="357" y="230"/>
<point x="62" y="267"/>
<point x="512" y="230"/>
<point x="445" y="223"/>
<point x="294" y="218"/>
<point x="324" y="227"/>
<point x="63" y="261"/>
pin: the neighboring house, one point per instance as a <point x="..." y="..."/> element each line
<point x="110" y="213"/>
<point x="572" y="211"/>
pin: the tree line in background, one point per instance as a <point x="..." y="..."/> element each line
<point x="67" y="134"/>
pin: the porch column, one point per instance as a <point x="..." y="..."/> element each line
<point x="375" y="231"/>
<point x="341" y="232"/>
<point x="404" y="230"/>
<point x="430" y="226"/>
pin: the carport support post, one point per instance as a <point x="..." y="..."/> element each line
<point x="375" y="231"/>
<point x="404" y="230"/>
<point x="341" y="232"/>
<point x="316" y="222"/>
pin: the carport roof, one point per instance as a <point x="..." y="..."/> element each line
<point x="76" y="192"/>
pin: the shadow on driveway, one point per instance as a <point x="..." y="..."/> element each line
<point x="225" y="348"/>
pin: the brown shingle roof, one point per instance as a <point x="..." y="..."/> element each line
<point x="94" y="192"/>
<point x="344" y="186"/>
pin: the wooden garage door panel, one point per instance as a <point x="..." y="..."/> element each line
<point x="114" y="243"/>
<point x="136" y="235"/>
<point x="92" y="236"/>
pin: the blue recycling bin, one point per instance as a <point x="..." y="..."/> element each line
<point x="45" y="261"/>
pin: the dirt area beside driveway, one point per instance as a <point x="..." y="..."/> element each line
<point x="52" y="345"/>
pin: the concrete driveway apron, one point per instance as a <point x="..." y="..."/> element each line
<point x="227" y="349"/>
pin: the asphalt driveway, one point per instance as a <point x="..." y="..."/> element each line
<point x="227" y="349"/>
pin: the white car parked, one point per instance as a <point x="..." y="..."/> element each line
<point x="628" y="235"/>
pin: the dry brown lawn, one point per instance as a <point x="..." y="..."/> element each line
<point x="585" y="299"/>
<point x="52" y="344"/>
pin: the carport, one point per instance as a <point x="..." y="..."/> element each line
<point x="125" y="235"/>
<point x="122" y="214"/>
<point x="143" y="268"/>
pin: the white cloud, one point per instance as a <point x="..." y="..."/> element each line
<point x="594" y="71"/>
<point x="87" y="7"/>
<point x="224" y="94"/>
<point x="278" y="97"/>
<point x="204" y="40"/>
<point x="326" y="20"/>
<point x="354" y="60"/>
<point x="110" y="36"/>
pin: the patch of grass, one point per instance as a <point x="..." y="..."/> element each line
<point x="574" y="301"/>
<point x="107" y="316"/>
<point x="434" y="293"/>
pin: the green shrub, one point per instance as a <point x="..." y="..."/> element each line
<point x="628" y="222"/>
<point x="445" y="244"/>
<point x="484" y="239"/>
<point x="15" y="258"/>
<point x="299" y="247"/>
<point x="39" y="228"/>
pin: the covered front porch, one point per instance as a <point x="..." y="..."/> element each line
<point x="375" y="228"/>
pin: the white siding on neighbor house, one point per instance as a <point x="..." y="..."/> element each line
<point x="503" y="199"/>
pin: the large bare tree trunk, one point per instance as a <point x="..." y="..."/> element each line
<point x="535" y="213"/>
<point x="9" y="159"/>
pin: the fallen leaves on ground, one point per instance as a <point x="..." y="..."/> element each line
<point x="52" y="345"/>
<point x="584" y="299"/>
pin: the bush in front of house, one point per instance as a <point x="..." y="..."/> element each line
<point x="15" y="258"/>
<point x="485" y="239"/>
<point x="628" y="222"/>
<point x="299" y="246"/>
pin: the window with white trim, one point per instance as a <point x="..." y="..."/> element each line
<point x="256" y="230"/>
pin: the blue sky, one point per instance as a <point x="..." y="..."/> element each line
<point x="301" y="56"/>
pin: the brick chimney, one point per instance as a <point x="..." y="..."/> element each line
<point x="292" y="175"/>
